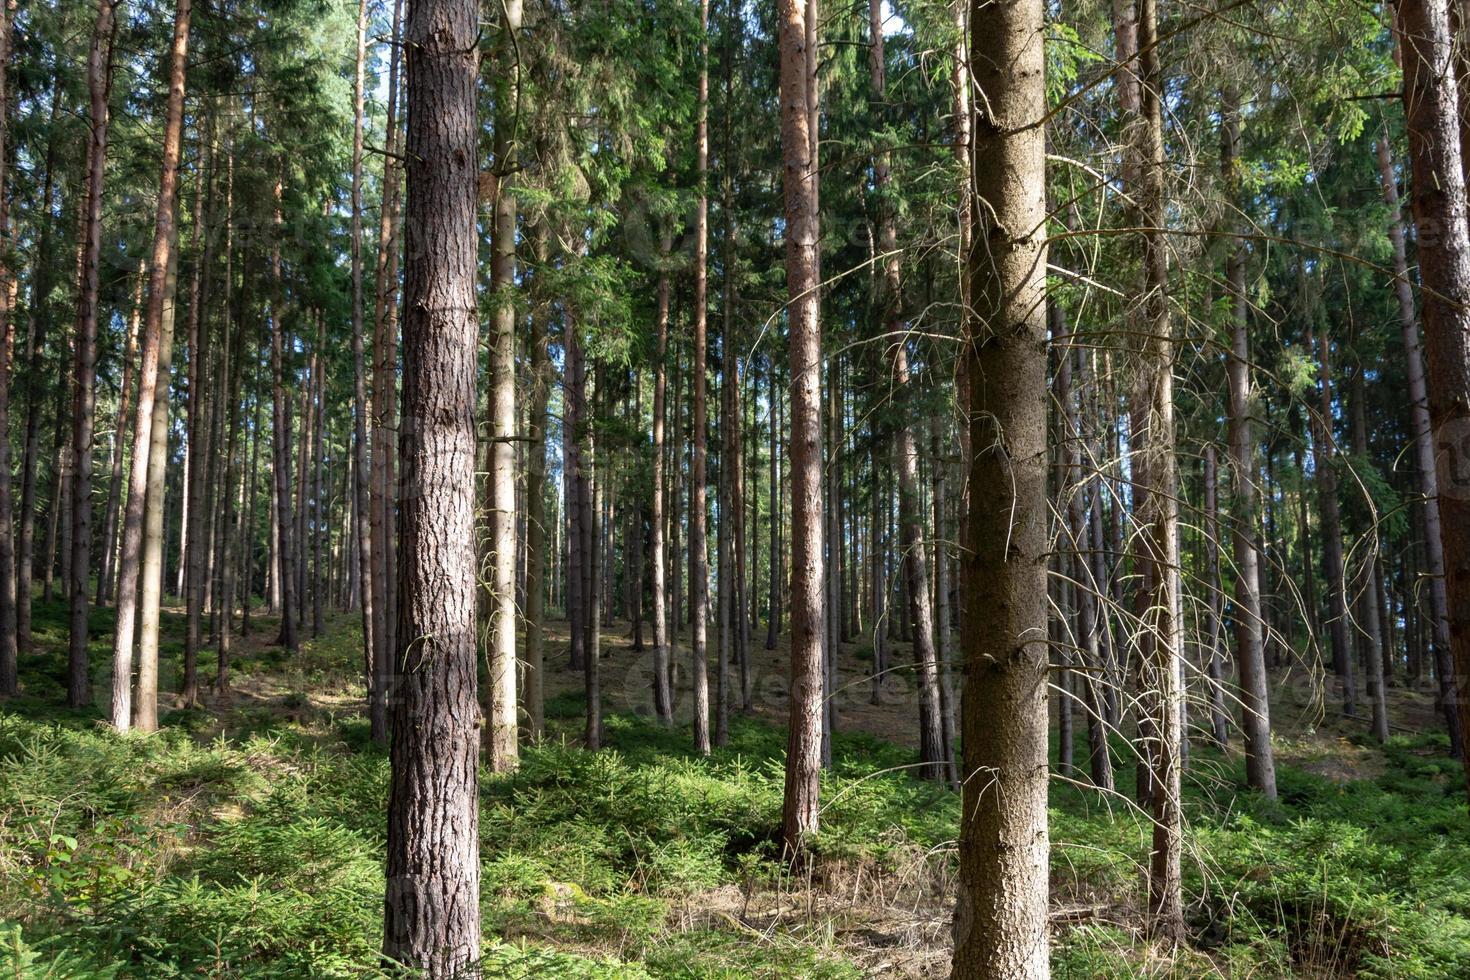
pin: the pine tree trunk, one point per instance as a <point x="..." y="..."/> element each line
<point x="535" y="615"/>
<point x="1325" y="453"/>
<point x="432" y="906"/>
<point x="38" y="317"/>
<point x="99" y="85"/>
<point x="9" y="283"/>
<point x="501" y="731"/>
<point x="663" y="697"/>
<point x="361" y="467"/>
<point x="797" y="26"/>
<point x="107" y="577"/>
<point x="283" y="570"/>
<point x="1001" y="914"/>
<point x="1250" y="657"/>
<point x="1370" y="634"/>
<point x="1424" y="472"/>
<point x="194" y="525"/>
<point x="162" y="275"/>
<point x="1431" y="105"/>
<point x="385" y="343"/>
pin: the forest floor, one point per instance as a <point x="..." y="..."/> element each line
<point x="246" y="839"/>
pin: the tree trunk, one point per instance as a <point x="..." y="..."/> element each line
<point x="540" y="352"/>
<point x="800" y="183"/>
<point x="1431" y="105"/>
<point x="193" y="528"/>
<point x="1001" y="914"/>
<point x="663" y="696"/>
<point x="501" y="731"/>
<point x="1370" y="635"/>
<point x="107" y="576"/>
<point x="361" y="466"/>
<point x="698" y="562"/>
<point x="1424" y="452"/>
<point x="1325" y="453"/>
<point x="99" y="85"/>
<point x="9" y="284"/>
<point x="162" y="273"/>
<point x="283" y="570"/>
<point x="432" y="905"/>
<point x="385" y="343"/>
<point x="38" y="317"/>
<point x="1250" y="656"/>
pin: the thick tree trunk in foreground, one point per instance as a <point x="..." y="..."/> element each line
<point x="99" y="84"/>
<point x="161" y="276"/>
<point x="1432" y="107"/>
<point x="432" y="907"/>
<point x="800" y="181"/>
<point x="1000" y="912"/>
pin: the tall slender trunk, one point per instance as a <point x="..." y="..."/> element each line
<point x="931" y="738"/>
<point x="151" y="560"/>
<point x="1156" y="468"/>
<point x="663" y="695"/>
<point x="501" y="731"/>
<point x="699" y="434"/>
<point x="385" y="344"/>
<point x="803" y="283"/>
<point x="1432" y="107"/>
<point x="361" y="467"/>
<point x="1325" y="454"/>
<point x="162" y="275"/>
<point x="540" y="352"/>
<point x="38" y="317"/>
<point x="1424" y="452"/>
<point x="232" y="511"/>
<point x="283" y="571"/>
<point x="1370" y="635"/>
<point x="1000" y="914"/>
<point x="194" y="544"/>
<point x="432" y="906"/>
<point x="107" y="575"/>
<point x="1250" y="657"/>
<point x="1214" y="603"/>
<point x="9" y="282"/>
<point x="99" y="85"/>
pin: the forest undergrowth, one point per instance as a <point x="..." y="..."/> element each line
<point x="246" y="839"/>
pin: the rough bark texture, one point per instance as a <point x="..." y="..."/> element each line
<point x="799" y="182"/>
<point x="160" y="293"/>
<point x="1432" y="107"/>
<point x="432" y="907"/>
<point x="1000" y="910"/>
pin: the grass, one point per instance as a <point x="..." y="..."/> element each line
<point x="247" y="841"/>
